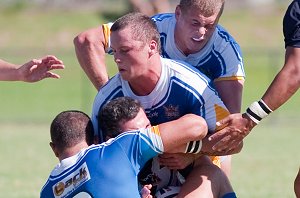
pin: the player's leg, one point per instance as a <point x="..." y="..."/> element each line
<point x="206" y="180"/>
<point x="297" y="185"/>
<point x="226" y="164"/>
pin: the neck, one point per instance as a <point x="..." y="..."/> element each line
<point x="146" y="83"/>
<point x="69" y="152"/>
<point x="179" y="44"/>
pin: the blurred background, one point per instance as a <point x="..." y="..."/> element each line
<point x="33" y="28"/>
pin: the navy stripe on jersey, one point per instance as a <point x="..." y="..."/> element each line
<point x="196" y="72"/>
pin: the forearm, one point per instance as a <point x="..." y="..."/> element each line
<point x="90" y="53"/>
<point x="230" y="91"/>
<point x="181" y="131"/>
<point x="282" y="88"/>
<point x="9" y="71"/>
<point x="286" y="82"/>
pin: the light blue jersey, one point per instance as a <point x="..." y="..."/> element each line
<point x="107" y="170"/>
<point x="179" y="91"/>
<point x="220" y="59"/>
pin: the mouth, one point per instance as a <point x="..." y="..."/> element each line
<point x="198" y="39"/>
<point x="121" y="69"/>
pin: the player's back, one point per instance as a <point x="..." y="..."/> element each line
<point x="96" y="173"/>
<point x="106" y="170"/>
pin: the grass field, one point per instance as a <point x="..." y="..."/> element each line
<point x="265" y="168"/>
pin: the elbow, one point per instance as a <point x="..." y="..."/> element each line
<point x="84" y="39"/>
<point x="198" y="127"/>
<point x="81" y="40"/>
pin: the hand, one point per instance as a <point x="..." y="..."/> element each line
<point x="38" y="69"/>
<point x="176" y="160"/>
<point x="237" y="127"/>
<point x="146" y="191"/>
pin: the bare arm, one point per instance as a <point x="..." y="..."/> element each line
<point x="284" y="85"/>
<point x="230" y="92"/>
<point x="286" y="82"/>
<point x="90" y="52"/>
<point x="176" y="134"/>
<point x="32" y="71"/>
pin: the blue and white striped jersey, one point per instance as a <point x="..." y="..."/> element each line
<point x="180" y="90"/>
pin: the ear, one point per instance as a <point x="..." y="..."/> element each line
<point x="153" y="47"/>
<point x="177" y="12"/>
<point x="54" y="149"/>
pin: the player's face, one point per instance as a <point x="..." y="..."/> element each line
<point x="130" y="55"/>
<point x="193" y="30"/>
<point x="140" y="121"/>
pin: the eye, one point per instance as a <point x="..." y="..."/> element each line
<point x="209" y="26"/>
<point x="125" y="50"/>
<point x="195" y="23"/>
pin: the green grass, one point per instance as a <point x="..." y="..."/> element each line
<point x="265" y="168"/>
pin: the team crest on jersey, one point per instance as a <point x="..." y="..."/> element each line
<point x="70" y="183"/>
<point x="171" y="111"/>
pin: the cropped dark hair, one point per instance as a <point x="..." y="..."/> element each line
<point x="115" y="112"/>
<point x="142" y="27"/>
<point x="70" y="128"/>
<point x="206" y="7"/>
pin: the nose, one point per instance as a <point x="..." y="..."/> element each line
<point x="116" y="58"/>
<point x="202" y="30"/>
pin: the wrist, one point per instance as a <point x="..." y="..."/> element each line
<point x="257" y="111"/>
<point x="250" y="124"/>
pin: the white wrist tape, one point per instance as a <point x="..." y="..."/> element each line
<point x="258" y="110"/>
<point x="193" y="147"/>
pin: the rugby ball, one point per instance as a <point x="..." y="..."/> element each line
<point x="168" y="192"/>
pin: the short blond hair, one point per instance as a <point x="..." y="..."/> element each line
<point x="206" y="7"/>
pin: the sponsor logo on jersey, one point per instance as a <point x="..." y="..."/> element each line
<point x="171" y="111"/>
<point x="73" y="181"/>
<point x="152" y="114"/>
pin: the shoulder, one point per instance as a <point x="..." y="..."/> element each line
<point x="162" y="17"/>
<point x="113" y="86"/>
<point x="223" y="36"/>
<point x="183" y="69"/>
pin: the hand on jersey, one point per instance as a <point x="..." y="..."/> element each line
<point x="236" y="128"/>
<point x="176" y="160"/>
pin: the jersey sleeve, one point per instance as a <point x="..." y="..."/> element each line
<point x="291" y="25"/>
<point x="228" y="56"/>
<point x="214" y="109"/>
<point x="141" y="146"/>
<point x="106" y="32"/>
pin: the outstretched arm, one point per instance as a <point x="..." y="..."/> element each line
<point x="177" y="134"/>
<point x="285" y="84"/>
<point x="90" y="52"/>
<point x="33" y="71"/>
